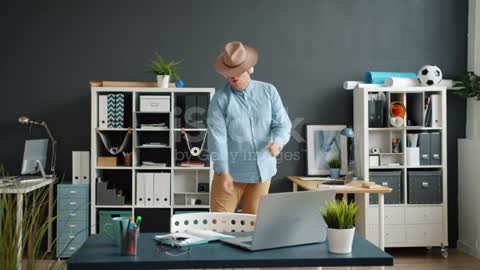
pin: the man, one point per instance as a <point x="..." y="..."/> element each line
<point x="248" y="126"/>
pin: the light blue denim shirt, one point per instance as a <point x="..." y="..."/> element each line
<point x="241" y="124"/>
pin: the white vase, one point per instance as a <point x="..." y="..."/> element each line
<point x="340" y="240"/>
<point x="163" y="81"/>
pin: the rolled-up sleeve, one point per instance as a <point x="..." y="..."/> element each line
<point x="217" y="136"/>
<point x="281" y="125"/>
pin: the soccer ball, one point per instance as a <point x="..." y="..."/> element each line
<point x="429" y="75"/>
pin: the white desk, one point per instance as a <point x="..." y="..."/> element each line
<point x="24" y="188"/>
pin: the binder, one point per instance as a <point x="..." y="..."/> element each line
<point x="202" y="109"/>
<point x="161" y="189"/>
<point x="371" y="111"/>
<point x="436" y="110"/>
<point x="424" y="144"/>
<point x="191" y="111"/>
<point x="140" y="201"/>
<point x="148" y="189"/>
<point x="111" y="111"/>
<point x="102" y="111"/>
<point x="84" y="167"/>
<point x="435" y="148"/>
<point x="76" y="167"/>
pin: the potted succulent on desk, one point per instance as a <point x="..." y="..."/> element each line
<point x="340" y="218"/>
<point x="334" y="165"/>
<point x="164" y="71"/>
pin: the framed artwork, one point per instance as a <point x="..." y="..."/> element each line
<point x="324" y="143"/>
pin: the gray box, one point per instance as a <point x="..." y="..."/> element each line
<point x="391" y="179"/>
<point x="424" y="187"/>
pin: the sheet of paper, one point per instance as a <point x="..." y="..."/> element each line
<point x="316" y="178"/>
<point x="334" y="186"/>
<point x="208" y="235"/>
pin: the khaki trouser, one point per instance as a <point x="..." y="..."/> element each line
<point x="249" y="194"/>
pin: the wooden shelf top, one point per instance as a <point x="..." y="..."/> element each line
<point x="354" y="187"/>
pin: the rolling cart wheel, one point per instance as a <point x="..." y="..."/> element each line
<point x="444" y="251"/>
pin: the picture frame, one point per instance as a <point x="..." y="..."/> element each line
<point x="324" y="142"/>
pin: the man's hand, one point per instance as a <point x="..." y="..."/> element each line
<point x="227" y="182"/>
<point x="274" y="149"/>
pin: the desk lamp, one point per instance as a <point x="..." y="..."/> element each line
<point x="27" y="121"/>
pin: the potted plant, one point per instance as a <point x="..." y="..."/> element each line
<point x="340" y="218"/>
<point x="334" y="165"/>
<point x="468" y="86"/>
<point x="164" y="71"/>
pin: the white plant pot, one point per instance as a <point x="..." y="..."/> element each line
<point x="163" y="81"/>
<point x="340" y="240"/>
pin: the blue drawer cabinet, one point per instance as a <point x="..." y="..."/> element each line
<point x="72" y="218"/>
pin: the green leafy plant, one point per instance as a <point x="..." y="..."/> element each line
<point x="468" y="85"/>
<point x="160" y="67"/>
<point x="334" y="163"/>
<point x="339" y="214"/>
<point x="34" y="227"/>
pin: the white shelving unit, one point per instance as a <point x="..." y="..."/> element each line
<point x="406" y="225"/>
<point x="188" y="176"/>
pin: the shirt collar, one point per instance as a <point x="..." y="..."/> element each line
<point x="246" y="90"/>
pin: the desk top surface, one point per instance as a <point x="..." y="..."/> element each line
<point x="99" y="252"/>
<point x="26" y="187"/>
<point x="354" y="187"/>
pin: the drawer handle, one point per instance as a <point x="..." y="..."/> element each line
<point x="72" y="203"/>
<point x="72" y="248"/>
<point x="425" y="184"/>
<point x="71" y="236"/>
<point x="72" y="225"/>
<point x="153" y="104"/>
<point x="385" y="184"/>
<point x="73" y="214"/>
<point x="425" y="156"/>
<point x="72" y="192"/>
<point x="436" y="156"/>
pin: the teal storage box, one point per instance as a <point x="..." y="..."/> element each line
<point x="105" y="216"/>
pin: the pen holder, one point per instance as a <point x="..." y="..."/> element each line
<point x="128" y="242"/>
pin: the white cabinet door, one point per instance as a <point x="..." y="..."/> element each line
<point x="394" y="215"/>
<point x="425" y="233"/>
<point x="424" y="214"/>
<point x="393" y="234"/>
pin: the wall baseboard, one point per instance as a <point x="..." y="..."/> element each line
<point x="465" y="248"/>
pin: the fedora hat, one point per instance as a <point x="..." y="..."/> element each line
<point x="235" y="59"/>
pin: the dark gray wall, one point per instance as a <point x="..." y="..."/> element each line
<point x="51" y="49"/>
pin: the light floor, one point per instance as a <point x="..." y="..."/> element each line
<point x="422" y="259"/>
<point x="404" y="259"/>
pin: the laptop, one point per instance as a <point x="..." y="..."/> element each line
<point x="287" y="219"/>
<point x="34" y="161"/>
